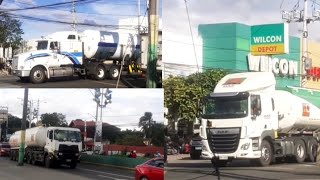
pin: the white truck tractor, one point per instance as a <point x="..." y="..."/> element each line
<point x="247" y="118"/>
<point x="49" y="146"/>
<point x="92" y="53"/>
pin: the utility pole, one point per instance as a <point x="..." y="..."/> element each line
<point x="74" y="22"/>
<point x="302" y="16"/>
<point x="98" y="98"/>
<point x="153" y="31"/>
<point x="139" y="14"/>
<point x="23" y="127"/>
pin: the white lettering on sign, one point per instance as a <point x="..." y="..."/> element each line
<point x="275" y="65"/>
<point x="267" y="39"/>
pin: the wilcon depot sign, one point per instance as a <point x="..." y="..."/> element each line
<point x="270" y="39"/>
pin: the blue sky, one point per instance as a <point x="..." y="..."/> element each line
<point x="102" y="12"/>
<point x="127" y="106"/>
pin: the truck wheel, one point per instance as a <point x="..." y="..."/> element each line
<point x="114" y="72"/>
<point x="312" y="150"/>
<point x="24" y="79"/>
<point x="37" y="75"/>
<point x="28" y="156"/>
<point x="100" y="73"/>
<point x="195" y="154"/>
<point x="300" y="150"/>
<point x="73" y="165"/>
<point x="48" y="162"/>
<point x="266" y="154"/>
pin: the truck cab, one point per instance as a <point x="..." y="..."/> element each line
<point x="237" y="115"/>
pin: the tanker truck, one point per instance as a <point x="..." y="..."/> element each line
<point x="245" y="117"/>
<point x="49" y="146"/>
<point x="95" y="54"/>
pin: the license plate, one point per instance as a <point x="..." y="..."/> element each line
<point x="198" y="148"/>
<point x="223" y="157"/>
<point x="68" y="160"/>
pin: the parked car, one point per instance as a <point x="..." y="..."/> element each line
<point x="4" y="149"/>
<point x="151" y="170"/>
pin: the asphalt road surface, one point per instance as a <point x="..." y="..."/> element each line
<point x="202" y="169"/>
<point x="10" y="81"/>
<point x="10" y="171"/>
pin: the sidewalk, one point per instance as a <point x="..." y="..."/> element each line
<point x="177" y="157"/>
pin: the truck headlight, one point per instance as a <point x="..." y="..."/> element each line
<point x="255" y="144"/>
<point x="245" y="146"/>
<point x="76" y="154"/>
<point x="60" y="154"/>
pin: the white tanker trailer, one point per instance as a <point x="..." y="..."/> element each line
<point x="246" y="118"/>
<point x="49" y="146"/>
<point x="96" y="54"/>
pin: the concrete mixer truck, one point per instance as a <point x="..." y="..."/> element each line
<point x="245" y="117"/>
<point x="92" y="53"/>
<point x="49" y="146"/>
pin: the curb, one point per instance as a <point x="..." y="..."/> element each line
<point x="108" y="165"/>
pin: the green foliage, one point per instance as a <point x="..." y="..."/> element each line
<point x="145" y="123"/>
<point x="10" y="30"/>
<point x="54" y="119"/>
<point x="184" y="95"/>
<point x="130" y="138"/>
<point x="110" y="133"/>
<point x="157" y="135"/>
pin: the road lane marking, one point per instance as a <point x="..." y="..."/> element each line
<point x="105" y="173"/>
<point x="111" y="177"/>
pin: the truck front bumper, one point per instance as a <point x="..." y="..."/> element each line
<point x="67" y="158"/>
<point x="238" y="154"/>
<point x="21" y="73"/>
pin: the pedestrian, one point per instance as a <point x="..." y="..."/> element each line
<point x="134" y="155"/>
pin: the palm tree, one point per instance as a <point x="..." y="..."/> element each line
<point x="145" y="123"/>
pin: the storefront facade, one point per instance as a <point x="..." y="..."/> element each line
<point x="228" y="46"/>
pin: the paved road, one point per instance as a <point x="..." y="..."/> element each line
<point x="9" y="170"/>
<point x="73" y="82"/>
<point x="201" y="169"/>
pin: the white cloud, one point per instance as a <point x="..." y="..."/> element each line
<point x="127" y="106"/>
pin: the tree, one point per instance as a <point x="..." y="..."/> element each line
<point x="130" y="138"/>
<point x="145" y="123"/>
<point x="10" y="30"/>
<point x="184" y="95"/>
<point x="54" y="119"/>
<point x="157" y="138"/>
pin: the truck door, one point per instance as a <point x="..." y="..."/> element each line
<point x="256" y="112"/>
<point x="55" y="60"/>
<point x="50" y="138"/>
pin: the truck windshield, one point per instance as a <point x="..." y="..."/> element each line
<point x="42" y="45"/>
<point x="65" y="135"/>
<point x="225" y="107"/>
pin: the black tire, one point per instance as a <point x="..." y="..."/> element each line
<point x="48" y="162"/>
<point x="24" y="79"/>
<point x="300" y="151"/>
<point x="312" y="150"/>
<point x="73" y="165"/>
<point x="28" y="156"/>
<point x="100" y="73"/>
<point x="114" y="72"/>
<point x="195" y="154"/>
<point x="38" y="75"/>
<point x="144" y="178"/>
<point x="33" y="159"/>
<point x="266" y="154"/>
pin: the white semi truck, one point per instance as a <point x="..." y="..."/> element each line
<point x="247" y="118"/>
<point x="49" y="146"/>
<point x="92" y="53"/>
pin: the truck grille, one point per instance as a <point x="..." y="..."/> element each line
<point x="223" y="140"/>
<point x="68" y="149"/>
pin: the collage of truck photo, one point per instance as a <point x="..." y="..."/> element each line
<point x="85" y="94"/>
<point x="81" y="90"/>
